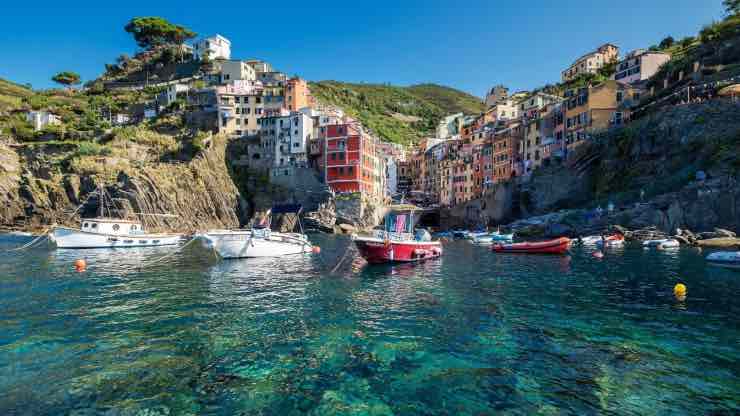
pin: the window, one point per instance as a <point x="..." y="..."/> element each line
<point x="236" y="100"/>
<point x="85" y="225"/>
<point x="94" y="225"/>
<point x="116" y="227"/>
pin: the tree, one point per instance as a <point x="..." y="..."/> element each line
<point x="667" y="42"/>
<point x="66" y="78"/>
<point x="732" y="6"/>
<point x="179" y="35"/>
<point x="151" y="32"/>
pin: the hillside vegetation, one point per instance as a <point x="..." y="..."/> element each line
<point x="397" y="114"/>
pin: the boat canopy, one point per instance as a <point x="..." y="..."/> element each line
<point x="287" y="209"/>
<point x="400" y="222"/>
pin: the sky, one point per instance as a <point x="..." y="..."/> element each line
<point x="470" y="45"/>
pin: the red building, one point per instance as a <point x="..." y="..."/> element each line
<point x="505" y="152"/>
<point x="350" y="161"/>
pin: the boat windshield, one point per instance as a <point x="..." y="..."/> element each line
<point x="399" y="222"/>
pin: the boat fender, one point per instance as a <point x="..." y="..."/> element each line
<point x="316" y="249"/>
<point x="598" y="255"/>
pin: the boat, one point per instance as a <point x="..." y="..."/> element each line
<point x="107" y="232"/>
<point x="663" y="243"/>
<point x="556" y="246"/>
<point x="260" y="240"/>
<point x="727" y="259"/>
<point x="488" y="239"/>
<point x="615" y="240"/>
<point x="590" y="240"/>
<point x="397" y="242"/>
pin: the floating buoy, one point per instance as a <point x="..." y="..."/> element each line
<point x="316" y="249"/>
<point x="80" y="265"/>
<point x="680" y="291"/>
<point x="597" y="254"/>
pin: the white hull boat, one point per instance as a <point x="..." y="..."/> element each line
<point x="665" y="243"/>
<point x="109" y="233"/>
<point x="255" y="243"/>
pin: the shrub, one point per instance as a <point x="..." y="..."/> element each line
<point x="92" y="149"/>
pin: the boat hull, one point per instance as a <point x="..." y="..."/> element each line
<point x="68" y="238"/>
<point x="557" y="246"/>
<point x="726" y="259"/>
<point x="377" y="251"/>
<point x="236" y="245"/>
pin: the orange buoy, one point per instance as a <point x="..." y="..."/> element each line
<point x="597" y="254"/>
<point x="316" y="249"/>
<point x="80" y="265"/>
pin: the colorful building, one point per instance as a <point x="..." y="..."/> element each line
<point x="591" y="62"/>
<point x="639" y="65"/>
<point x="351" y="163"/>
<point x="297" y="94"/>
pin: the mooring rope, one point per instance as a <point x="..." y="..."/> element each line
<point x="168" y="256"/>
<point x="30" y="243"/>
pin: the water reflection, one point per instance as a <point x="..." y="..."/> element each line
<point x="472" y="332"/>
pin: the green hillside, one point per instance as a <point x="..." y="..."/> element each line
<point x="397" y="114"/>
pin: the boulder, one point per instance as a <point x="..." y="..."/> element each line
<point x="347" y="228"/>
<point x="726" y="242"/>
<point x="720" y="232"/>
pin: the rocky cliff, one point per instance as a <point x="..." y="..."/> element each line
<point x="677" y="168"/>
<point x="40" y="190"/>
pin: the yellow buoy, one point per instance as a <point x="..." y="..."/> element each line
<point x="80" y="265"/>
<point x="680" y="291"/>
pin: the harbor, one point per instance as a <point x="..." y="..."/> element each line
<point x="472" y="329"/>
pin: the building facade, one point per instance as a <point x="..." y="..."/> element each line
<point x="216" y="47"/>
<point x="591" y="62"/>
<point x="639" y="66"/>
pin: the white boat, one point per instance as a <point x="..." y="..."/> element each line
<point x="109" y="233"/>
<point x="664" y="243"/>
<point x="488" y="239"/>
<point x="259" y="241"/>
<point x="591" y="240"/>
<point x="728" y="259"/>
<point x="235" y="244"/>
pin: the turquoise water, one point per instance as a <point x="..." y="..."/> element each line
<point x="470" y="334"/>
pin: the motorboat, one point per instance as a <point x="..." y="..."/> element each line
<point x="556" y="246"/>
<point x="397" y="241"/>
<point x="614" y="240"/>
<point x="488" y="239"/>
<point x="260" y="240"/>
<point x="727" y="259"/>
<point x="663" y="243"/>
<point x="109" y="233"/>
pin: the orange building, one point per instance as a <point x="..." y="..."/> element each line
<point x="297" y="94"/>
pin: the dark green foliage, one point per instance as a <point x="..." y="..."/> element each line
<point x="66" y="78"/>
<point x="150" y="32"/>
<point x="667" y="42"/>
<point x="397" y="114"/>
<point x="731" y="6"/>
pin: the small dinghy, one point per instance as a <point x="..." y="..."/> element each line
<point x="727" y="259"/>
<point x="488" y="239"/>
<point x="664" y="243"/>
<point x="556" y="246"/>
<point x="615" y="240"/>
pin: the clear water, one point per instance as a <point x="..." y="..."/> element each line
<point x="472" y="333"/>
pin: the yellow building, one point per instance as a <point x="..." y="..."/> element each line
<point x="591" y="62"/>
<point x="594" y="108"/>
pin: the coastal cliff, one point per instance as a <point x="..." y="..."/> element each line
<point x="674" y="169"/>
<point x="44" y="184"/>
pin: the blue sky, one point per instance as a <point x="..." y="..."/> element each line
<point x="469" y="45"/>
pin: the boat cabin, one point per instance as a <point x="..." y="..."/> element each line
<point x="111" y="226"/>
<point x="399" y="223"/>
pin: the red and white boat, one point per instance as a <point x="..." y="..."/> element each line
<point x="556" y="246"/>
<point x="397" y="241"/>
